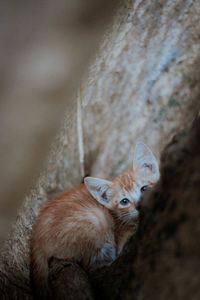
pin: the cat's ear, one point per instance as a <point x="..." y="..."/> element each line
<point x="144" y="162"/>
<point x="99" y="189"/>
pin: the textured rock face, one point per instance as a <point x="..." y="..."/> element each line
<point x="143" y="85"/>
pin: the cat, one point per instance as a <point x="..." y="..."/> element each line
<point x="90" y="223"/>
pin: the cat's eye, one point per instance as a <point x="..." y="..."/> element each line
<point x="124" y="202"/>
<point x="144" y="188"/>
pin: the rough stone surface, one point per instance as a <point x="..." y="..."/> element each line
<point x="143" y="85"/>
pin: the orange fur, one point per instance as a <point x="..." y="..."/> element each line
<point x="73" y="225"/>
<point x="76" y="226"/>
<point x="125" y="180"/>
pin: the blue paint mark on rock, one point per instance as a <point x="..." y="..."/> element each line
<point x="160" y="66"/>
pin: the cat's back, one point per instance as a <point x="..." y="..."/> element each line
<point x="71" y="218"/>
<point x="74" y="203"/>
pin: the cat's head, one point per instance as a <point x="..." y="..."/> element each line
<point x="122" y="194"/>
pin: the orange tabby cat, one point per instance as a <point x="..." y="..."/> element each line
<point x="90" y="223"/>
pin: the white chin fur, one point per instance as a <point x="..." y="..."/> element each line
<point x="130" y="218"/>
<point x="136" y="213"/>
